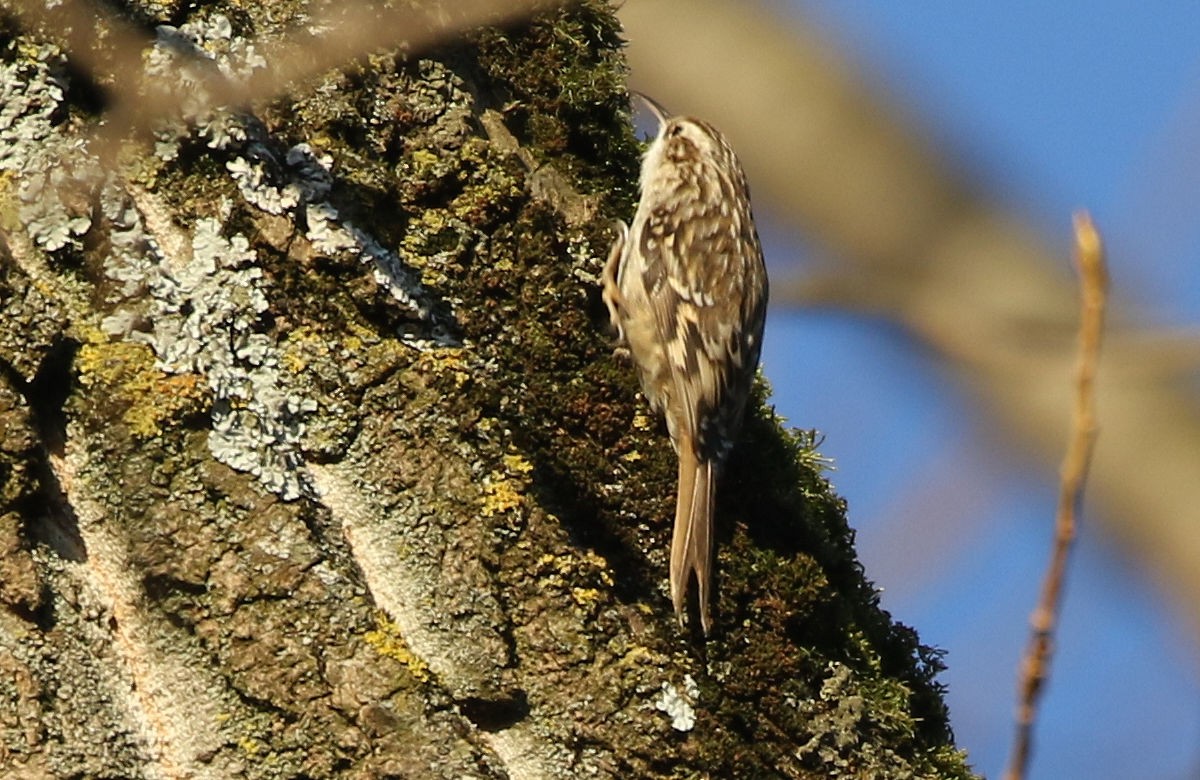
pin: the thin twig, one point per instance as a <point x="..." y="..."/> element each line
<point x="1093" y="279"/>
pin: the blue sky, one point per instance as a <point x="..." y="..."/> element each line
<point x="1055" y="106"/>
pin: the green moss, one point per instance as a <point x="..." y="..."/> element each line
<point x="563" y="81"/>
<point x="793" y="598"/>
<point x="195" y="183"/>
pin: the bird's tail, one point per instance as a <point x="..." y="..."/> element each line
<point x="691" y="545"/>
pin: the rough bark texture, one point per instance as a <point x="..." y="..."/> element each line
<point x="314" y="460"/>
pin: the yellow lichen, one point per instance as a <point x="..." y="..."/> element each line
<point x="293" y="362"/>
<point x="586" y="597"/>
<point x="596" y="561"/>
<point x="516" y="463"/>
<point x="499" y="495"/>
<point x="302" y="344"/>
<point x="641" y="656"/>
<point x="125" y="374"/>
<point x="31" y="51"/>
<point x="448" y="361"/>
<point x="249" y="745"/>
<point x="9" y="215"/>
<point x="558" y="570"/>
<point x="423" y="159"/>
<point x="387" y="641"/>
<point x="502" y="489"/>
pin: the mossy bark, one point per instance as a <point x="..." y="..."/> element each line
<point x="414" y="521"/>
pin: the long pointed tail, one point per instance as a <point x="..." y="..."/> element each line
<point x="691" y="545"/>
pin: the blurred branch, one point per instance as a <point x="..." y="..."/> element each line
<point x="918" y="242"/>
<point x="1035" y="668"/>
<point x="110" y="49"/>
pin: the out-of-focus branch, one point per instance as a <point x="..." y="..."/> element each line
<point x="337" y="35"/>
<point x="918" y="242"/>
<point x="1035" y="668"/>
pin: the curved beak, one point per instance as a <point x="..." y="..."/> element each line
<point x="656" y="108"/>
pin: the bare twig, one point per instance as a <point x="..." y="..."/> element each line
<point x="1089" y="255"/>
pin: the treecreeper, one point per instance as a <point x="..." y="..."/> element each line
<point x="686" y="290"/>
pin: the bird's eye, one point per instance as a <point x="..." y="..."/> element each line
<point x="675" y="131"/>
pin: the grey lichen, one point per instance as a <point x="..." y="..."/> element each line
<point x="49" y="169"/>
<point x="208" y="323"/>
<point x="843" y="725"/>
<point x="179" y="57"/>
<point x="251" y="179"/>
<point x="201" y="313"/>
<point x="298" y="188"/>
<point x="678" y="704"/>
<point x="200" y="305"/>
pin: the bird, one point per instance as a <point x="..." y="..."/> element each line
<point x="686" y="289"/>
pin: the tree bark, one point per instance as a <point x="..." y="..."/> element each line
<point x="315" y="460"/>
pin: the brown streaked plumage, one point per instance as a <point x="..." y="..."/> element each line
<point x="686" y="289"/>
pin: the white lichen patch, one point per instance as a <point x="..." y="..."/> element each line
<point x="834" y="719"/>
<point x="251" y="177"/>
<point x="679" y="704"/>
<point x="48" y="170"/>
<point x="333" y="237"/>
<point x="208" y="321"/>
<point x="133" y="257"/>
<point x="198" y="295"/>
<point x="200" y="308"/>
<point x="29" y="95"/>
<point x="301" y="188"/>
<point x="235" y="56"/>
<point x="180" y="56"/>
<point x="51" y="223"/>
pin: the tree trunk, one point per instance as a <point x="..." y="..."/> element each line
<point x="315" y="460"/>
